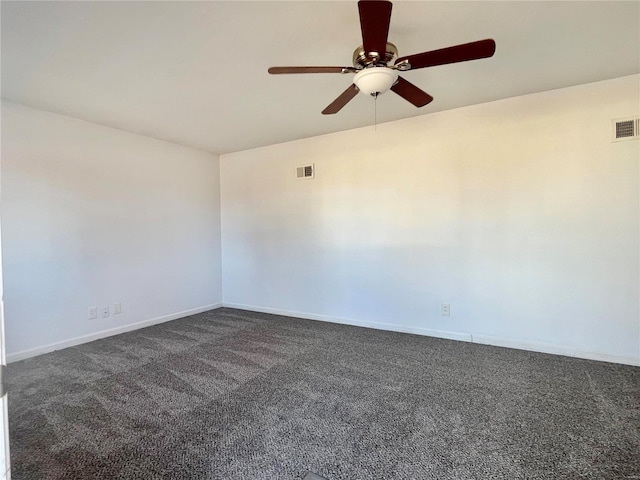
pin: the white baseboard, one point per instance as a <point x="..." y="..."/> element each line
<point x="540" y="347"/>
<point x="465" y="337"/>
<point x="72" y="342"/>
<point x="554" y="349"/>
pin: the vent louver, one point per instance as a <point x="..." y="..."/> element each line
<point x="625" y="129"/>
<point x="305" y="171"/>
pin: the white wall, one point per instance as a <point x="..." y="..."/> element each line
<point x="522" y="214"/>
<point x="93" y="216"/>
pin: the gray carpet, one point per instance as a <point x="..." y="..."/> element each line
<point x="230" y="394"/>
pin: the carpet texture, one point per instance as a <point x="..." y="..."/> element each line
<point x="229" y="394"/>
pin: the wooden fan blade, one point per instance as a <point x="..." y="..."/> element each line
<point x="411" y="93"/>
<point x="281" y="70"/>
<point x="342" y="100"/>
<point x="375" y="16"/>
<point x="458" y="53"/>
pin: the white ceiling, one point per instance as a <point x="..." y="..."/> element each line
<point x="195" y="73"/>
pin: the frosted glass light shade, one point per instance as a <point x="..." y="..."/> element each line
<point x="375" y="80"/>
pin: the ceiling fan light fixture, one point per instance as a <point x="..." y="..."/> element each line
<point x="375" y="80"/>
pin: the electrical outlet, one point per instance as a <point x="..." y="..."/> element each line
<point x="105" y="312"/>
<point x="117" y="308"/>
<point x="445" y="309"/>
<point x="92" y="313"/>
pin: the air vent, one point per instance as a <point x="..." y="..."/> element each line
<point x="625" y="129"/>
<point x="305" y="171"/>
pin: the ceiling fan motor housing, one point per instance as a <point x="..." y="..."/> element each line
<point x="363" y="59"/>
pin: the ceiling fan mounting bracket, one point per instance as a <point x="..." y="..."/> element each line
<point x="403" y="65"/>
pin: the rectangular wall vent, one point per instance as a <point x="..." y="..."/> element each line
<point x="305" y="171"/>
<point x="625" y="129"/>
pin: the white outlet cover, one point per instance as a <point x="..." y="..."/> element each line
<point x="105" y="312"/>
<point x="117" y="308"/>
<point x="92" y="313"/>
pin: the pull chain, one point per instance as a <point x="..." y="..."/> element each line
<point x="375" y="111"/>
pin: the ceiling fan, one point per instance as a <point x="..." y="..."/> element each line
<point x="376" y="65"/>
